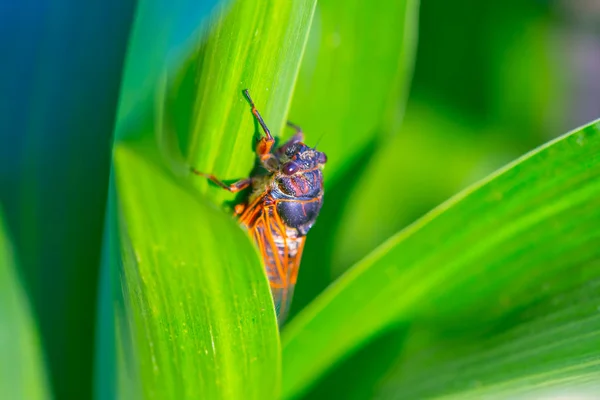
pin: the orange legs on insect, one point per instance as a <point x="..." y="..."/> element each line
<point x="263" y="150"/>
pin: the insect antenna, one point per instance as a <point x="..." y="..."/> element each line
<point x="319" y="140"/>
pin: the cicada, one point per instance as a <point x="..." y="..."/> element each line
<point x="284" y="202"/>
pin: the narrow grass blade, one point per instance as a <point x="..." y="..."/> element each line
<point x="525" y="232"/>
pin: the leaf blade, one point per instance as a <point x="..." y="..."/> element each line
<point x="547" y="349"/>
<point x="197" y="307"/>
<point x="199" y="119"/>
<point x="564" y="173"/>
<point x="250" y="45"/>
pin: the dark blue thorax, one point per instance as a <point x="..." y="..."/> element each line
<point x="299" y="199"/>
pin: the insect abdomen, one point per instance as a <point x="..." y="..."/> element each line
<point x="281" y="248"/>
<point x="299" y="214"/>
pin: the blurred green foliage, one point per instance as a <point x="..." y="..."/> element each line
<point x="23" y="371"/>
<point x="491" y="81"/>
<point x="522" y="235"/>
<point x="59" y="81"/>
<point x="349" y="97"/>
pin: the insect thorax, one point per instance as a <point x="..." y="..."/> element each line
<point x="299" y="198"/>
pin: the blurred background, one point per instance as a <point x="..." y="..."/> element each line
<point x="492" y="80"/>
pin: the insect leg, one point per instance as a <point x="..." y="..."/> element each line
<point x="298" y="136"/>
<point x="240" y="208"/>
<point x="234" y="187"/>
<point x="263" y="148"/>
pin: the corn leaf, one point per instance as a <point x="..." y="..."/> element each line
<point x="546" y="350"/>
<point x="194" y="315"/>
<point x="196" y="319"/>
<point x="521" y="235"/>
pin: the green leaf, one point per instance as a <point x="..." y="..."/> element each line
<point x="525" y="232"/>
<point x="355" y="75"/>
<point x="548" y="349"/>
<point x="250" y="45"/>
<point x="196" y="319"/>
<point x="22" y="370"/>
<point x="454" y="153"/>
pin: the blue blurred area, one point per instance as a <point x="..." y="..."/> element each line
<point x="59" y="78"/>
<point x="163" y="36"/>
<point x="18" y="67"/>
<point x="68" y="69"/>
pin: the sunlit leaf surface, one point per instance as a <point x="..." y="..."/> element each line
<point x="197" y="319"/>
<point x="548" y="350"/>
<point x="247" y="45"/>
<point x="524" y="233"/>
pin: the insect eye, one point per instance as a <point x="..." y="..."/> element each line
<point x="322" y="158"/>
<point x="290" y="168"/>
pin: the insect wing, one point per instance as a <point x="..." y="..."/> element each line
<point x="281" y="250"/>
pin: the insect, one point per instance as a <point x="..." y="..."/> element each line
<point x="285" y="200"/>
